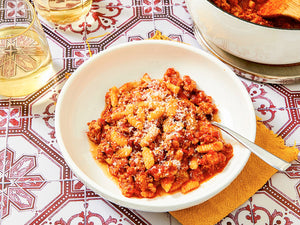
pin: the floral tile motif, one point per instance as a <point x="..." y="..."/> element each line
<point x="158" y="218"/>
<point x="292" y="100"/>
<point x="18" y="181"/>
<point x="100" y="40"/>
<point x="33" y="156"/>
<point x="242" y="215"/>
<point x="52" y="203"/>
<point x="67" y="35"/>
<point x="104" y="15"/>
<point x="268" y="211"/>
<point x="104" y="211"/>
<point x="9" y="116"/>
<point x="142" y="31"/>
<point x="277" y="106"/>
<point x="266" y="108"/>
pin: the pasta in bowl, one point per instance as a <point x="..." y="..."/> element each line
<point x="155" y="136"/>
<point x="82" y="99"/>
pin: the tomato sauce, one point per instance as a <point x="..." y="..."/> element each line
<point x="155" y="136"/>
<point x="250" y="10"/>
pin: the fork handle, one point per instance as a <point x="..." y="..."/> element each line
<point x="266" y="156"/>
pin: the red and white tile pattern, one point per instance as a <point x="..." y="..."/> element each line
<point x="38" y="187"/>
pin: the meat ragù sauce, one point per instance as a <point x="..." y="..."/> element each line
<point x="250" y="10"/>
<point x="155" y="136"/>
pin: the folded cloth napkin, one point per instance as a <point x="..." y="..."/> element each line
<point x="254" y="175"/>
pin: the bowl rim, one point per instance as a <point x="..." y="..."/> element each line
<point x="255" y="24"/>
<point x="102" y="191"/>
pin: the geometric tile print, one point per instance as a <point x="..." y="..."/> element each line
<point x="292" y="99"/>
<point x="17" y="181"/>
<point x="22" y="180"/>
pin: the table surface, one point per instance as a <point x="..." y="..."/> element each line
<point x="38" y="187"/>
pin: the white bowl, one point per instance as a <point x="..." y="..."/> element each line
<point x="82" y="100"/>
<point x="244" y="39"/>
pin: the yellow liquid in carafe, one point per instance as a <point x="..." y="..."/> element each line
<point x="63" y="12"/>
<point x="25" y="62"/>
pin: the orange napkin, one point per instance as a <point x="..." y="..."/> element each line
<point x="254" y="175"/>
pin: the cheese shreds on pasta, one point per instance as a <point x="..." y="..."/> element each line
<point x="155" y="136"/>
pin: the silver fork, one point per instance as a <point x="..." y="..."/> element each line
<point x="266" y="156"/>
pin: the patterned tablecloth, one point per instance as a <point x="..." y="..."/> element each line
<point x="37" y="186"/>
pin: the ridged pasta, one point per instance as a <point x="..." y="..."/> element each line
<point x="147" y="157"/>
<point x="216" y="146"/>
<point x="155" y="134"/>
<point x="114" y="91"/>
